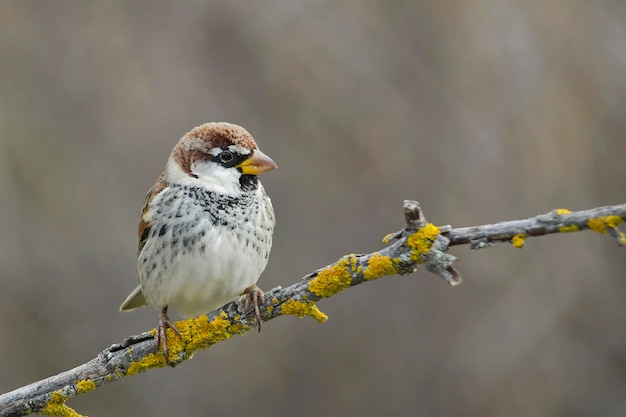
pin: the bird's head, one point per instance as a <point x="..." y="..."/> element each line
<point x="221" y="157"/>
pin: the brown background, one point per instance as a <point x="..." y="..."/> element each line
<point x="483" y="111"/>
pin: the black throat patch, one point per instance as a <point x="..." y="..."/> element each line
<point x="249" y="182"/>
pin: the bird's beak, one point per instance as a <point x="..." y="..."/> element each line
<point x="257" y="164"/>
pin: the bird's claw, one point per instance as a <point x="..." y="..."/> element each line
<point x="252" y="295"/>
<point x="161" y="332"/>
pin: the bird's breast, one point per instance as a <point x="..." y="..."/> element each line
<point x="203" y="250"/>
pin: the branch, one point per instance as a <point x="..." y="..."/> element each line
<point x="419" y="242"/>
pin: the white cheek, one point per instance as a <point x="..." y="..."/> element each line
<point x="210" y="176"/>
<point x="211" y="171"/>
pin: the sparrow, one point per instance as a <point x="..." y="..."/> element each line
<point x="206" y="227"/>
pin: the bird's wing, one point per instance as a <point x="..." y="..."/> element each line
<point x="144" y="224"/>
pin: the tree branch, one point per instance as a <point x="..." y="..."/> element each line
<point x="419" y="242"/>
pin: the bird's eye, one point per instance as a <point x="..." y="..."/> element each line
<point x="226" y="156"/>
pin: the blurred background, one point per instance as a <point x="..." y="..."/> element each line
<point x="483" y="111"/>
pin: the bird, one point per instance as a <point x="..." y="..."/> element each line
<point x="206" y="227"/>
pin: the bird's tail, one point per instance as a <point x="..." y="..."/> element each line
<point x="135" y="300"/>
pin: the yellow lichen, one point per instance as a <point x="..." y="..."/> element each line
<point x="152" y="360"/>
<point x="379" y="266"/>
<point x="389" y="237"/>
<point x="56" y="406"/>
<point x="566" y="229"/>
<point x="421" y="241"/>
<point x="196" y="333"/>
<point x="602" y="224"/>
<point x="85" y="385"/>
<point x="302" y="309"/>
<point x="518" y="240"/>
<point x="334" y="278"/>
<point x="238" y="328"/>
<point x="200" y="333"/>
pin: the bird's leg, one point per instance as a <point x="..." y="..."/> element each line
<point x="164" y="323"/>
<point x="253" y="294"/>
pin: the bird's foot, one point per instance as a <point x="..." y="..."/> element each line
<point x="252" y="295"/>
<point x="162" y="326"/>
